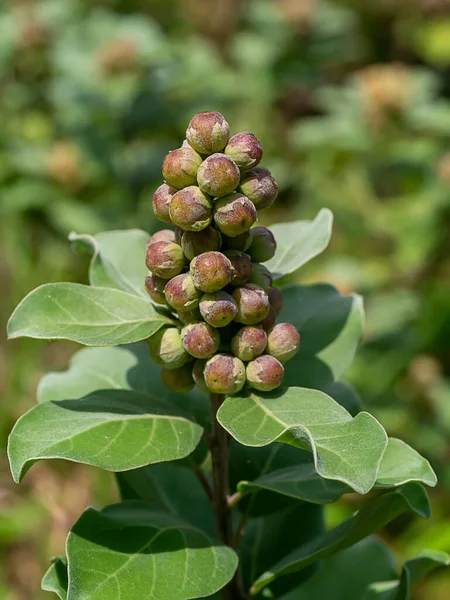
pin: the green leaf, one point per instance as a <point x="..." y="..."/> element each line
<point x="164" y="487"/>
<point x="118" y="259"/>
<point x="344" y="448"/>
<point x="55" y="579"/>
<point x="115" y="430"/>
<point x="346" y="575"/>
<point x="413" y="572"/>
<point x="399" y="465"/>
<point x="122" y="367"/>
<point x="270" y="537"/>
<point x="330" y="327"/>
<point x="88" y="315"/>
<point x="298" y="242"/>
<point x="131" y="552"/>
<point x="374" y="515"/>
<point x="402" y="464"/>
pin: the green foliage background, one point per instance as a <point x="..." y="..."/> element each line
<point x="351" y="101"/>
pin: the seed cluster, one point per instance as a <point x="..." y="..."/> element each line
<point x="208" y="271"/>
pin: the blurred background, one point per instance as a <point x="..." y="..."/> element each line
<point x="351" y="101"/>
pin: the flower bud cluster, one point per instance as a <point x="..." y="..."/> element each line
<point x="208" y="270"/>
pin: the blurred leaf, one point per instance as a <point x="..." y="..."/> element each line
<point x="88" y="315"/>
<point x="55" y="579"/>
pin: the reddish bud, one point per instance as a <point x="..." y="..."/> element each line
<point x="253" y="304"/>
<point x="260" y="187"/>
<point x="245" y="150"/>
<point x="161" y="202"/>
<point x="242" y="267"/>
<point x="155" y="287"/>
<point x="208" y="132"/>
<point x="283" y="341"/>
<point x="261" y="276"/>
<point x="200" y="340"/>
<point x="191" y="209"/>
<point x="265" y="373"/>
<point x="165" y="259"/>
<point x="224" y="374"/>
<point x="218" y="309"/>
<point x="211" y="271"/>
<point x="234" y="214"/>
<point x="180" y="167"/>
<point x="249" y="342"/>
<point x="166" y="348"/>
<point x="181" y="293"/>
<point x="218" y="175"/>
<point x="164" y="235"/>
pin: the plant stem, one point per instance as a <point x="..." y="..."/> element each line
<point x="220" y="443"/>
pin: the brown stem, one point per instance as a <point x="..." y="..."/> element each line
<point x="219" y="447"/>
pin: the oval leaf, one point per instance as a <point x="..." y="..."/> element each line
<point x="115" y="430"/>
<point x="138" y="553"/>
<point x="330" y="327"/>
<point x="118" y="259"/>
<point x="88" y="315"/>
<point x="298" y="242"/>
<point x="344" y="448"/>
<point x="374" y="515"/>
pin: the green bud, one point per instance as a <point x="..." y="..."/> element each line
<point x="253" y="304"/>
<point x="181" y="293"/>
<point x="234" y="214"/>
<point x="283" y="341"/>
<point x="276" y="299"/>
<point x="260" y="187"/>
<point x="265" y="373"/>
<point x="218" y="309"/>
<point x="245" y="150"/>
<point x="197" y="374"/>
<point x="155" y="287"/>
<point x="165" y="259"/>
<point x="208" y="132"/>
<point x="242" y="267"/>
<point x="166" y="348"/>
<point x="189" y="316"/>
<point x="195" y="243"/>
<point x="200" y="340"/>
<point x="263" y="245"/>
<point x="224" y="374"/>
<point x="161" y="202"/>
<point x="218" y="175"/>
<point x="211" y="271"/>
<point x="180" y="167"/>
<point x="261" y="276"/>
<point x="249" y="342"/>
<point x="241" y="242"/>
<point x="268" y="323"/>
<point x="191" y="209"/>
<point x="178" y="380"/>
<point x="164" y="235"/>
